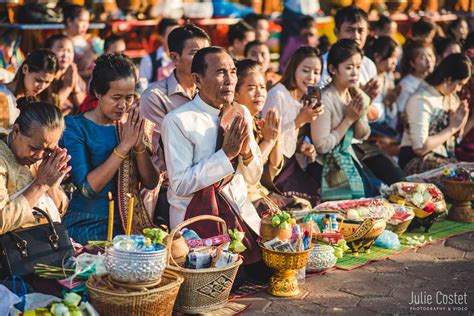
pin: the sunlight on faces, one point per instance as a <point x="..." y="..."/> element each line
<point x="424" y="62"/>
<point x="118" y="100"/>
<point x="64" y="51"/>
<point x="184" y="61"/>
<point x="310" y="35"/>
<point x="389" y="64"/>
<point x="217" y="86"/>
<point x="252" y="92"/>
<point x="308" y="73"/>
<point x="262" y="32"/>
<point x="79" y="25"/>
<point x="36" y="145"/>
<point x="260" y="54"/>
<point x="36" y="82"/>
<point x="119" y="47"/>
<point x="455" y="86"/>
<point x="357" y="31"/>
<point x="347" y="73"/>
<point x="239" y="45"/>
<point x="462" y="31"/>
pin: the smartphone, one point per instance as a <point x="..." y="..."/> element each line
<point x="313" y="93"/>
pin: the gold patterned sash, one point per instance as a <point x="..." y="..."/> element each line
<point x="128" y="183"/>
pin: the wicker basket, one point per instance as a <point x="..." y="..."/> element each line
<point x="156" y="301"/>
<point x="203" y="290"/>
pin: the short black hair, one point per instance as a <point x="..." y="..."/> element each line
<point x="180" y="35"/>
<point x="341" y="51"/>
<point x="252" y="44"/>
<point x="237" y="32"/>
<point x="49" y="43"/>
<point x="71" y="12"/>
<point x="306" y="22"/>
<point x="108" y="68"/>
<point x="350" y="14"/>
<point x="199" y="65"/>
<point x="422" y="28"/>
<point x="253" y="18"/>
<point x="441" y="44"/>
<point x="164" y="24"/>
<point x="112" y="39"/>
<point x="382" y="23"/>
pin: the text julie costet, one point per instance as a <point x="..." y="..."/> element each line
<point x="439" y="298"/>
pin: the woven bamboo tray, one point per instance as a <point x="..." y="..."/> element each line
<point x="156" y="301"/>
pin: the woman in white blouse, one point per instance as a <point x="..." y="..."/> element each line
<point x="435" y="117"/>
<point x="417" y="63"/>
<point x="302" y="71"/>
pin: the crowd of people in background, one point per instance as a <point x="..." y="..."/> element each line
<point x="199" y="129"/>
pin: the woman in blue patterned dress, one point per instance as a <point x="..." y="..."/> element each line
<point x="108" y="155"/>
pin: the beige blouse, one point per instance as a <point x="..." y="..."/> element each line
<point x="16" y="212"/>
<point x="423" y="110"/>
<point x="323" y="132"/>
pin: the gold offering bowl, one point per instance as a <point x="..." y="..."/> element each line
<point x="283" y="282"/>
<point x="360" y="235"/>
<point x="461" y="194"/>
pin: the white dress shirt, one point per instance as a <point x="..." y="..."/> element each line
<point x="189" y="139"/>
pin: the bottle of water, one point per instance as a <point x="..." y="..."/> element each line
<point x="301" y="275"/>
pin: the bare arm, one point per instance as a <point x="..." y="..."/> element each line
<point x="432" y="142"/>
<point x="101" y="175"/>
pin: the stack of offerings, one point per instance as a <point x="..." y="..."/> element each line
<point x="299" y="241"/>
<point x="361" y="221"/>
<point x="210" y="267"/>
<point x="426" y="200"/>
<point x="214" y="252"/>
<point x="285" y="257"/>
<point x="135" y="260"/>
<point x="136" y="283"/>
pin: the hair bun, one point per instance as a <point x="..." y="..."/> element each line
<point x="22" y="102"/>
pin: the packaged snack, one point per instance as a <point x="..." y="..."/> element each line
<point x="200" y="258"/>
<point x="223" y="258"/>
<point x="191" y="237"/>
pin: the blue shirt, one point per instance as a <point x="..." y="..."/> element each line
<point x="89" y="146"/>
